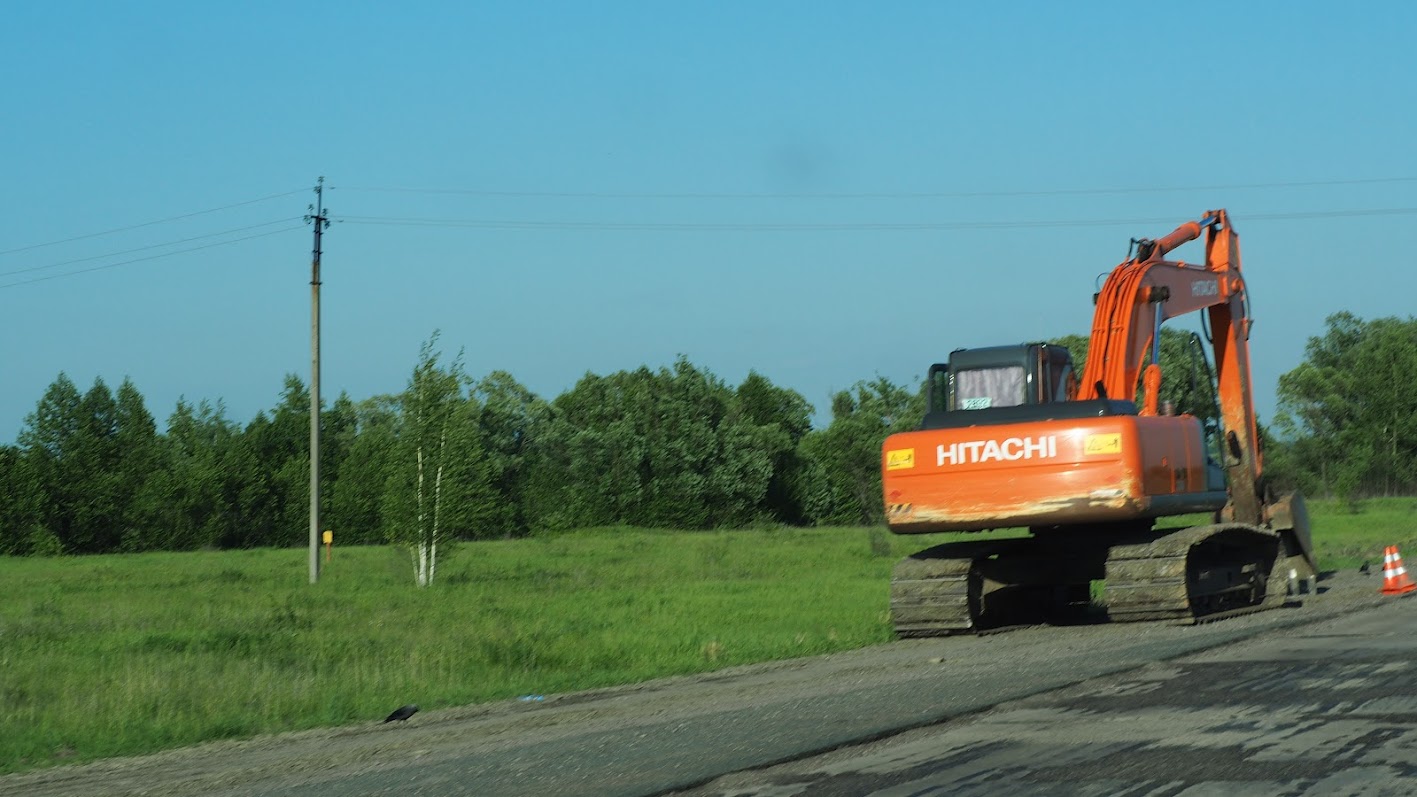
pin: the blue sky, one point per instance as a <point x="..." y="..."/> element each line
<point x="732" y="181"/>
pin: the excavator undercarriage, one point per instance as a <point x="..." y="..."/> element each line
<point x="1183" y="575"/>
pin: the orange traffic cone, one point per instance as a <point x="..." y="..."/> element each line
<point x="1395" y="578"/>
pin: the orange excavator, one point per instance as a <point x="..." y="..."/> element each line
<point x="1090" y="465"/>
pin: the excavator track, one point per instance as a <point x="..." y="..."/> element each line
<point x="1196" y="574"/>
<point x="936" y="592"/>
<point x="974" y="587"/>
<point x="1190" y="575"/>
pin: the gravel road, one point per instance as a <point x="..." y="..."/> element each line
<point x="678" y="733"/>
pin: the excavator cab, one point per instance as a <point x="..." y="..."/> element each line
<point x="1000" y="384"/>
<point x="1001" y="376"/>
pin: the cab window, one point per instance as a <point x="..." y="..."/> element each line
<point x="982" y="388"/>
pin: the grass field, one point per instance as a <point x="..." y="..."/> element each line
<point x="1346" y="538"/>
<point x="115" y="655"/>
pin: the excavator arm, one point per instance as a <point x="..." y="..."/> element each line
<point x="1146" y="290"/>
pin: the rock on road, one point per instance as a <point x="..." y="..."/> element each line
<point x="1313" y="672"/>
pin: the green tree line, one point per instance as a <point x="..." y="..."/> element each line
<point x="1348" y="414"/>
<point x="673" y="447"/>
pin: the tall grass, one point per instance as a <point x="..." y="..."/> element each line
<point x="122" y="654"/>
<point x="112" y="655"/>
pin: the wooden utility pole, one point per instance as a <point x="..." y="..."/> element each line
<point x="321" y="221"/>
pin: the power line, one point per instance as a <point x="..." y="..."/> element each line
<point x="876" y="195"/>
<point x="512" y="224"/>
<point x="150" y="223"/>
<point x="495" y="224"/>
<point x="150" y="257"/>
<point x="1322" y="214"/>
<point x="142" y="248"/>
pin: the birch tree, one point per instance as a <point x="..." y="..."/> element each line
<point x="434" y="448"/>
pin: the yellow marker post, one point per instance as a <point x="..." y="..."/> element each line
<point x="329" y="541"/>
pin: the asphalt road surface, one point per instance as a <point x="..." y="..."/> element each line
<point x="1329" y="709"/>
<point x="1313" y="699"/>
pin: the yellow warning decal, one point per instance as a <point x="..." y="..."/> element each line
<point x="900" y="459"/>
<point x="1102" y="444"/>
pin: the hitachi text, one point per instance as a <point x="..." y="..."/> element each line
<point x="1011" y="449"/>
